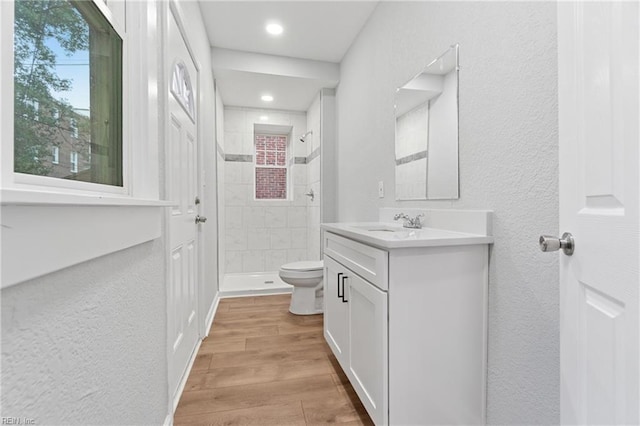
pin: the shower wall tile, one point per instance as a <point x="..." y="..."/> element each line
<point x="247" y="173"/>
<point x="259" y="239"/>
<point x="315" y="243"/>
<point x="299" y="238"/>
<point x="254" y="217"/>
<point x="233" y="217"/>
<point x="297" y="255"/>
<point x="274" y="259"/>
<point x="234" y="120"/>
<point x="236" y="194"/>
<point x="253" y="261"/>
<point x="233" y="143"/>
<point x="275" y="217"/>
<point x="233" y="172"/>
<point x="281" y="238"/>
<point x="299" y="174"/>
<point x="299" y="197"/>
<point x="317" y="199"/>
<point x="297" y="217"/>
<point x="278" y="118"/>
<point x="252" y="116"/>
<point x="314" y="216"/>
<point x="233" y="261"/>
<point x="236" y="239"/>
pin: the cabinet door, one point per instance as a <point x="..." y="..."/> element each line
<point x="335" y="311"/>
<point x="368" y="346"/>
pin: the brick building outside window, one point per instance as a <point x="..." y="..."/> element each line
<point x="271" y="167"/>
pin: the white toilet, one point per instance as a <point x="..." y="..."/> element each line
<point x="306" y="279"/>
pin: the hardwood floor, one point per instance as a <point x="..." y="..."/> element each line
<point x="262" y="365"/>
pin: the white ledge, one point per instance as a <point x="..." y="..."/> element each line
<point x="22" y="197"/>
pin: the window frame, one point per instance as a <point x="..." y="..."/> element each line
<point x="120" y="218"/>
<point x="55" y="154"/>
<point x="11" y="180"/>
<point x="286" y="165"/>
<point x="73" y="159"/>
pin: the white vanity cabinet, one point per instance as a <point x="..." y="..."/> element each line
<point x="408" y="323"/>
<point x="355" y="327"/>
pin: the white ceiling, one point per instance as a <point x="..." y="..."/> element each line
<point x="319" y="30"/>
<point x="313" y="30"/>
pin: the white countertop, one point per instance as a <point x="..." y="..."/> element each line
<point x="393" y="235"/>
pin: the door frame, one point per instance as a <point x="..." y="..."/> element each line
<point x="165" y="11"/>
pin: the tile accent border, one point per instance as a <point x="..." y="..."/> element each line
<point x="313" y="155"/>
<point x="239" y="158"/>
<point x="411" y="158"/>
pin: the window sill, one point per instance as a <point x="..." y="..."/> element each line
<point x="44" y="232"/>
<point x="21" y="197"/>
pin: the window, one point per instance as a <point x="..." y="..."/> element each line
<point x="181" y="88"/>
<point x="56" y="155"/>
<point x="69" y="58"/>
<point x="73" y="128"/>
<point x="73" y="158"/>
<point x="271" y="167"/>
<point x="32" y="110"/>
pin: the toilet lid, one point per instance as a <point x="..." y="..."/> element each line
<point x="306" y="265"/>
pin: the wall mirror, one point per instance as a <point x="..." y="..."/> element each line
<point x="426" y="111"/>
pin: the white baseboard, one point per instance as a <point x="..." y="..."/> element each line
<point x="212" y="313"/>
<point x="185" y="376"/>
<point x="249" y="293"/>
<point x="168" y="421"/>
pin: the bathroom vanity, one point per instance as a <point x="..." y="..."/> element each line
<point x="405" y="315"/>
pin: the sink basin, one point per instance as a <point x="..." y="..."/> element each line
<point x="377" y="228"/>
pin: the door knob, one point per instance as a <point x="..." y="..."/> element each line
<point x="200" y="219"/>
<point x="566" y="243"/>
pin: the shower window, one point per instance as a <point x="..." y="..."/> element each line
<point x="270" y="167"/>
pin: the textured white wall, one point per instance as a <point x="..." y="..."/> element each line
<point x="508" y="163"/>
<point x="87" y="345"/>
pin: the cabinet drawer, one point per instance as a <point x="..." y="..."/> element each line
<point x="369" y="262"/>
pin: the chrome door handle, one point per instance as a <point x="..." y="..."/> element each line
<point x="200" y="219"/>
<point x="566" y="243"/>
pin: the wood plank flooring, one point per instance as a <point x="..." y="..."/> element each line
<point x="262" y="365"/>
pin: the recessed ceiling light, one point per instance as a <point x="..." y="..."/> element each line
<point x="274" y="29"/>
<point x="267" y="98"/>
<point x="264" y="117"/>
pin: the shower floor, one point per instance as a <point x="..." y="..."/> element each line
<point x="253" y="283"/>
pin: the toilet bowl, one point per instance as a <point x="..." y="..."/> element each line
<point x="306" y="279"/>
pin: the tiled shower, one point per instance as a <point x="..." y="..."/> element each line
<point x="257" y="236"/>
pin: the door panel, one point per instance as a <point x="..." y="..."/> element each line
<point x="368" y="345"/>
<point x="182" y="186"/>
<point x="335" y="312"/>
<point x="598" y="44"/>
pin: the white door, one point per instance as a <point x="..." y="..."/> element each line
<point x="182" y="184"/>
<point x="599" y="202"/>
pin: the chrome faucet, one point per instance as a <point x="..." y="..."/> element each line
<point x="409" y="222"/>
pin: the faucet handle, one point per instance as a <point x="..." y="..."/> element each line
<point x="400" y="216"/>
